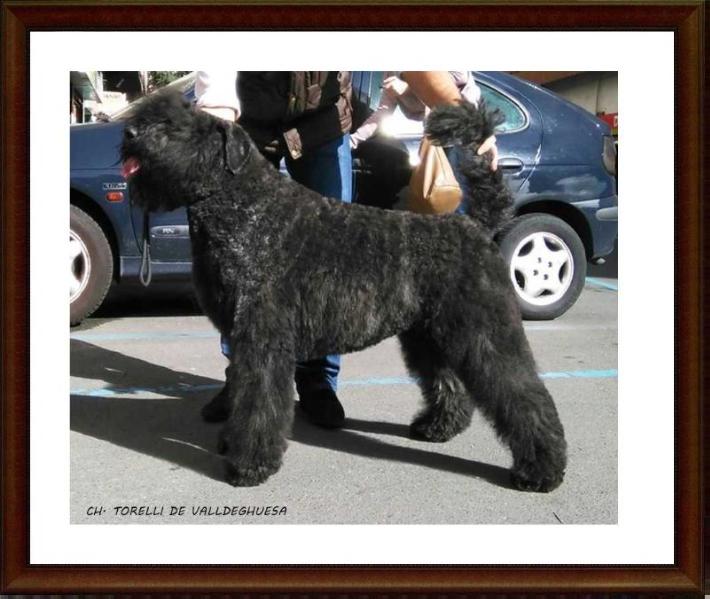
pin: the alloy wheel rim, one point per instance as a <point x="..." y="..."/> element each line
<point x="542" y="268"/>
<point x="79" y="266"/>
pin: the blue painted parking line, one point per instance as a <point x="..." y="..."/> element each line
<point x="581" y="374"/>
<point x="401" y="380"/>
<point x="603" y="284"/>
<point x="160" y="390"/>
<point x="367" y="382"/>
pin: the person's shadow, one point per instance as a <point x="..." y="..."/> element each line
<point x="171" y="429"/>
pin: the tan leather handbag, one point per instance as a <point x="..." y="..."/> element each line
<point x="433" y="188"/>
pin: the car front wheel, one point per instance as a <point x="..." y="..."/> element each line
<point x="90" y="265"/>
<point x="547" y="264"/>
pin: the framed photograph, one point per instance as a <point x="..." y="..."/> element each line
<point x="111" y="480"/>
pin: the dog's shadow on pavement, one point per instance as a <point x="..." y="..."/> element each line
<point x="170" y="428"/>
<point x="351" y="441"/>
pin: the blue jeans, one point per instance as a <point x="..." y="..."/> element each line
<point x="327" y="170"/>
<point x="454" y="154"/>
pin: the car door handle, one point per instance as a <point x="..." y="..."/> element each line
<point x="170" y="231"/>
<point x="510" y="165"/>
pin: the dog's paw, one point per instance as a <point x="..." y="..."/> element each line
<point x="250" y="476"/>
<point x="540" y="468"/>
<point x="434" y="431"/>
<point x="536" y="478"/>
<point x="242" y="473"/>
<point x="438" y="427"/>
<point x="430" y="431"/>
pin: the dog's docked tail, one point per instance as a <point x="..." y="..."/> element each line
<point x="487" y="198"/>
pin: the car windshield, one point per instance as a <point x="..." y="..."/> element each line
<point x="184" y="84"/>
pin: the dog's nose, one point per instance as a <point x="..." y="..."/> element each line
<point x="130" y="132"/>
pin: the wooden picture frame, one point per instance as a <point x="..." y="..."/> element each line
<point x="17" y="576"/>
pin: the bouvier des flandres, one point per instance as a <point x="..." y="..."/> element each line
<point x="289" y="275"/>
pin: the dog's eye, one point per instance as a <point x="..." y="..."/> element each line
<point x="131" y="132"/>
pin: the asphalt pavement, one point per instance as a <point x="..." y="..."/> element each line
<point x="138" y="382"/>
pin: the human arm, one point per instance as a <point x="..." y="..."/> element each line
<point x="410" y="105"/>
<point x="437" y="88"/>
<point x="216" y="93"/>
<point x="387" y="105"/>
<point x="434" y="88"/>
<point x="370" y="126"/>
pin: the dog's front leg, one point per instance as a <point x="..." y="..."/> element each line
<point x="253" y="440"/>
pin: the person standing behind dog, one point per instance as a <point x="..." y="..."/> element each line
<point x="304" y="117"/>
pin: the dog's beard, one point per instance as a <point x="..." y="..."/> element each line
<point x="156" y="190"/>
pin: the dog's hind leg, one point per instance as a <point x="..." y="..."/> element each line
<point x="496" y="365"/>
<point x="260" y="386"/>
<point x="448" y="406"/>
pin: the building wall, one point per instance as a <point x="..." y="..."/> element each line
<point x="596" y="91"/>
<point x="84" y="87"/>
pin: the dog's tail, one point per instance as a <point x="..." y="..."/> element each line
<point x="487" y="199"/>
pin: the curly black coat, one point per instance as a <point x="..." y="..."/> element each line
<point x="289" y="275"/>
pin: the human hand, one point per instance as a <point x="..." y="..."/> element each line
<point x="490" y="146"/>
<point x="394" y="87"/>
<point x="276" y="147"/>
<point x="227" y="114"/>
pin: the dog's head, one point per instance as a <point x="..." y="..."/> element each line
<point x="174" y="154"/>
<point x="462" y="124"/>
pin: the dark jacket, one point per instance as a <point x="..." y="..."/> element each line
<point x="294" y="111"/>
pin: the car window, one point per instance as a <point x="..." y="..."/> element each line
<point x="514" y="116"/>
<point x="367" y="87"/>
<point x="367" y="90"/>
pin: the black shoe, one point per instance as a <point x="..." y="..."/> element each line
<point x="323" y="408"/>
<point x="218" y="409"/>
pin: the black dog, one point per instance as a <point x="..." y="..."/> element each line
<point x="288" y="275"/>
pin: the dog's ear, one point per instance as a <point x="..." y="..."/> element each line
<point x="235" y="148"/>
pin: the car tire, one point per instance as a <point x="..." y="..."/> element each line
<point x="90" y="263"/>
<point x="547" y="264"/>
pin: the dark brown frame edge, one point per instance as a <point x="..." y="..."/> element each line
<point x="17" y="576"/>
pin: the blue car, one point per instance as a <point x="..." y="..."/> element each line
<point x="558" y="160"/>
